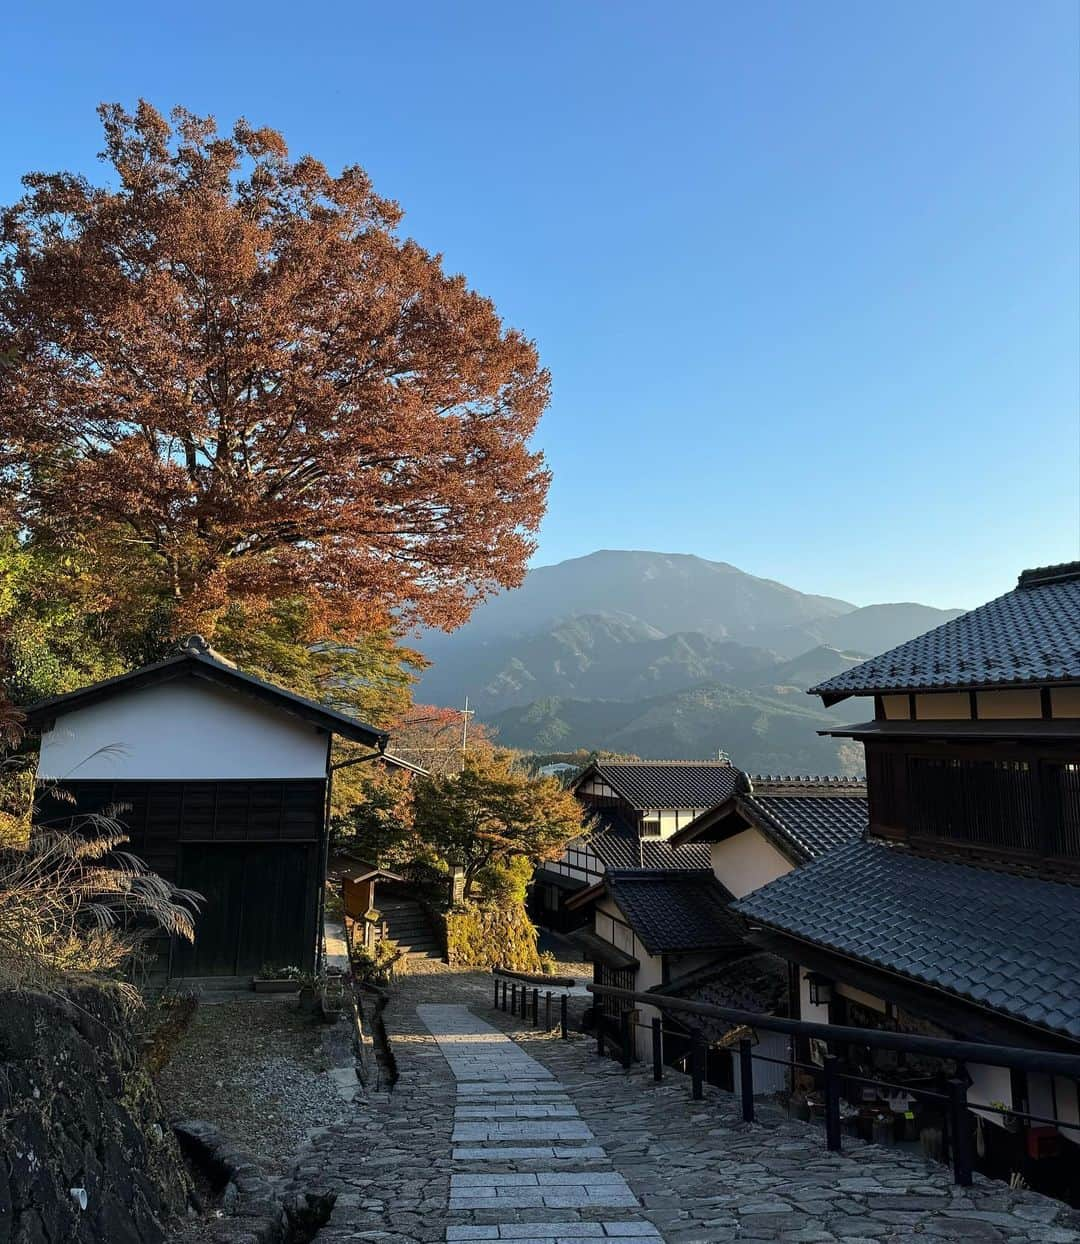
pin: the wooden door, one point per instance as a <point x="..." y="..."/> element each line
<point x="259" y="907"/>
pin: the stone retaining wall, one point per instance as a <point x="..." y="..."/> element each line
<point x="88" y="1154"/>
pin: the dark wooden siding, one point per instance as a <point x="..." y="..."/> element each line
<point x="159" y="816"/>
<point x="992" y="799"/>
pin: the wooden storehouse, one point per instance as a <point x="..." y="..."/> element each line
<point x="222" y="781"/>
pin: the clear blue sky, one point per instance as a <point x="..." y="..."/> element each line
<point x="806" y="274"/>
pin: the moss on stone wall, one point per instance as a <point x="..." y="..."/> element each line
<point x="487" y="936"/>
<point x="90" y="1154"/>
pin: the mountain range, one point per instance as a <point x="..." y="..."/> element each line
<point x="666" y="656"/>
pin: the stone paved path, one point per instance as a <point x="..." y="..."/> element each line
<point x="513" y="1115"/>
<point x="421" y="1165"/>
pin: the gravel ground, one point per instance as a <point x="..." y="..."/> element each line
<point x="257" y="1068"/>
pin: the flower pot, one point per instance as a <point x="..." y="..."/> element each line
<point x="306" y="998"/>
<point x="283" y="984"/>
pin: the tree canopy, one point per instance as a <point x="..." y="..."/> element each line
<point x="491" y="813"/>
<point x="228" y="366"/>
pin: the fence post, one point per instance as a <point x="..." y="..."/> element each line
<point x="496" y="1007"/>
<point x="504" y="994"/>
<point x="960" y="1133"/>
<point x="697" y="1066"/>
<point x="746" y="1078"/>
<point x="657" y="1048"/>
<point x="562" y="1017"/>
<point x="547" y="1010"/>
<point x="513" y="997"/>
<point x="832" y="1103"/>
<point x="626" y="1038"/>
<point x="536" y="1008"/>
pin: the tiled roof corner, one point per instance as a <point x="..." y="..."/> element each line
<point x="1030" y="635"/>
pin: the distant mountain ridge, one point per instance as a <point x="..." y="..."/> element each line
<point x="699" y="647"/>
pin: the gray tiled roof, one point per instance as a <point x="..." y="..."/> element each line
<point x="670" y="783"/>
<point x="1029" y="635"/>
<point x="625" y="849"/>
<point x="675" y="911"/>
<point x="810" y="818"/>
<point x="803" y="816"/>
<point x="1008" y="943"/>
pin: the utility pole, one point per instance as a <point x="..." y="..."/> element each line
<point x="466" y="713"/>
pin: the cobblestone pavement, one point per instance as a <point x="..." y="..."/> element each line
<point x="420" y="1165"/>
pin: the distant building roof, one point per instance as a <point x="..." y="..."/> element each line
<point x="619" y="845"/>
<point x="666" y="783"/>
<point x="804" y="817"/>
<point x="196" y="659"/>
<point x="675" y="911"/>
<point x="1029" y="635"/>
<point x="1004" y="942"/>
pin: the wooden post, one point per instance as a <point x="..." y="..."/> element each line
<point x="547" y="1010"/>
<point x="960" y="1133"/>
<point x="832" y="1103"/>
<point x="626" y="1037"/>
<point x="513" y="997"/>
<point x="657" y="1048"/>
<point x="562" y="1018"/>
<point x="746" y="1078"/>
<point x="697" y="1066"/>
<point x="504" y="994"/>
<point x="536" y="1008"/>
<point x="496" y="1007"/>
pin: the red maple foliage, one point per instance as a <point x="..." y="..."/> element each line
<point x="233" y="360"/>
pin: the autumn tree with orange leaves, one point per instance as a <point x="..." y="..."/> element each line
<point x="230" y="370"/>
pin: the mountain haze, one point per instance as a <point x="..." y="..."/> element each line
<point x="665" y="655"/>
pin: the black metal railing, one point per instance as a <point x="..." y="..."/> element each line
<point x="953" y="1102"/>
<point x="518" y="998"/>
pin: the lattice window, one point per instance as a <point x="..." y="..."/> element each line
<point x="990" y="803"/>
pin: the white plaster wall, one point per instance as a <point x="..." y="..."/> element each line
<point x="187" y="729"/>
<point x="989" y="1084"/>
<point x="818" y="1014"/>
<point x="747" y="861"/>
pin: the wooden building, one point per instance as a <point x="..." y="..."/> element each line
<point x="771" y="825"/>
<point x="632" y="810"/>
<point x="959" y="912"/>
<point x="222" y="782"/>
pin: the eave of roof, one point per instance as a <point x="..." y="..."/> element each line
<point x="1052" y="730"/>
<point x="597" y="948"/>
<point x="996" y="941"/>
<point x="197" y="665"/>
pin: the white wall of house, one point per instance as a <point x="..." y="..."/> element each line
<point x="746" y="861"/>
<point x="989" y="1084"/>
<point x="813" y="1013"/>
<point x="186" y="729"/>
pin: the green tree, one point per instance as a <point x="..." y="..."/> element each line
<point x="491" y="813"/>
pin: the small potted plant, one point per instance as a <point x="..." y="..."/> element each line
<point x="271" y="978"/>
<point x="306" y="995"/>
<point x="882" y="1129"/>
<point x="547" y="963"/>
<point x="799" y="1107"/>
<point x="331" y="996"/>
<point x="1009" y="1121"/>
